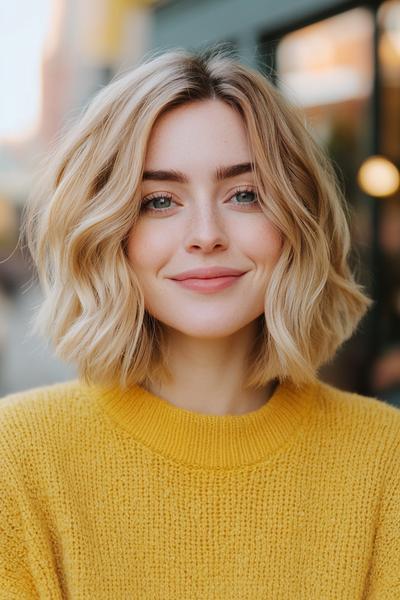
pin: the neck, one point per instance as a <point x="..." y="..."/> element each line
<point x="208" y="375"/>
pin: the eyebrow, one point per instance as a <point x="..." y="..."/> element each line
<point x="220" y="174"/>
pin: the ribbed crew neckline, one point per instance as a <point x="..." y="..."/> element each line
<point x="208" y="441"/>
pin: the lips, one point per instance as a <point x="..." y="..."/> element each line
<point x="208" y="273"/>
<point x="208" y="285"/>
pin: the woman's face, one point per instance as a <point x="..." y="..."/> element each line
<point x="197" y="220"/>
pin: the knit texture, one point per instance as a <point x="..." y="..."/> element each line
<point x="112" y="495"/>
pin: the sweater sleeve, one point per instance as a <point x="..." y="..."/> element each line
<point x="15" y="577"/>
<point x="384" y="577"/>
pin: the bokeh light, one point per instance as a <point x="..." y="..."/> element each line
<point x="378" y="176"/>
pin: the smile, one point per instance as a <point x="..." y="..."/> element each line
<point x="209" y="285"/>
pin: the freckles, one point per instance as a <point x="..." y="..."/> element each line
<point x="264" y="241"/>
<point x="148" y="245"/>
<point x="137" y="243"/>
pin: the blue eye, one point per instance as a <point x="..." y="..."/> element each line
<point x="163" y="199"/>
<point x="242" y="196"/>
<point x="162" y="202"/>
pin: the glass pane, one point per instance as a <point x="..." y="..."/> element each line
<point x="389" y="59"/>
<point x="386" y="371"/>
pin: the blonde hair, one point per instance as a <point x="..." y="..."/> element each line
<point x="87" y="200"/>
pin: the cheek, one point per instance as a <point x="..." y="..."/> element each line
<point x="264" y="243"/>
<point x="147" y="247"/>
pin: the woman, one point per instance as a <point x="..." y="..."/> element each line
<point x="192" y="244"/>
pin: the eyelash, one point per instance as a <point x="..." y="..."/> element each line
<point x="146" y="202"/>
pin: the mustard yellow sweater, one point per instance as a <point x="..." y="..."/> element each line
<point x="111" y="495"/>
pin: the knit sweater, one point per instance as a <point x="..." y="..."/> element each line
<point x="122" y="495"/>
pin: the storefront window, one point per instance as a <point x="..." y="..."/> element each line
<point x="386" y="371"/>
<point x="328" y="69"/>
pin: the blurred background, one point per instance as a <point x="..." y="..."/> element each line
<point x="339" y="60"/>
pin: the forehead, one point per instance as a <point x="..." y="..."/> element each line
<point x="207" y="131"/>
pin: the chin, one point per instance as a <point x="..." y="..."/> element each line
<point x="212" y="329"/>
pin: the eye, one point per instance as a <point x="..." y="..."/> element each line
<point x="161" y="202"/>
<point x="245" y="197"/>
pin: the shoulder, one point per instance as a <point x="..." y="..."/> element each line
<point x="32" y="419"/>
<point x="30" y="404"/>
<point x="370" y="422"/>
<point x="340" y="401"/>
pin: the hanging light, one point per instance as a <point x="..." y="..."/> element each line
<point x="378" y="176"/>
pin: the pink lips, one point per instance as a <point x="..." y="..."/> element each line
<point x="208" y="285"/>
<point x="209" y="279"/>
<point x="207" y="273"/>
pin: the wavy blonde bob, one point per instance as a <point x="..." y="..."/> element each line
<point x="87" y="199"/>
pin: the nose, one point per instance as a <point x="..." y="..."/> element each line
<point x="205" y="230"/>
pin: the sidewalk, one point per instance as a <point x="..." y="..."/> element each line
<point x="25" y="362"/>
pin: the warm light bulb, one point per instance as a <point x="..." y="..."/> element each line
<point x="378" y="176"/>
